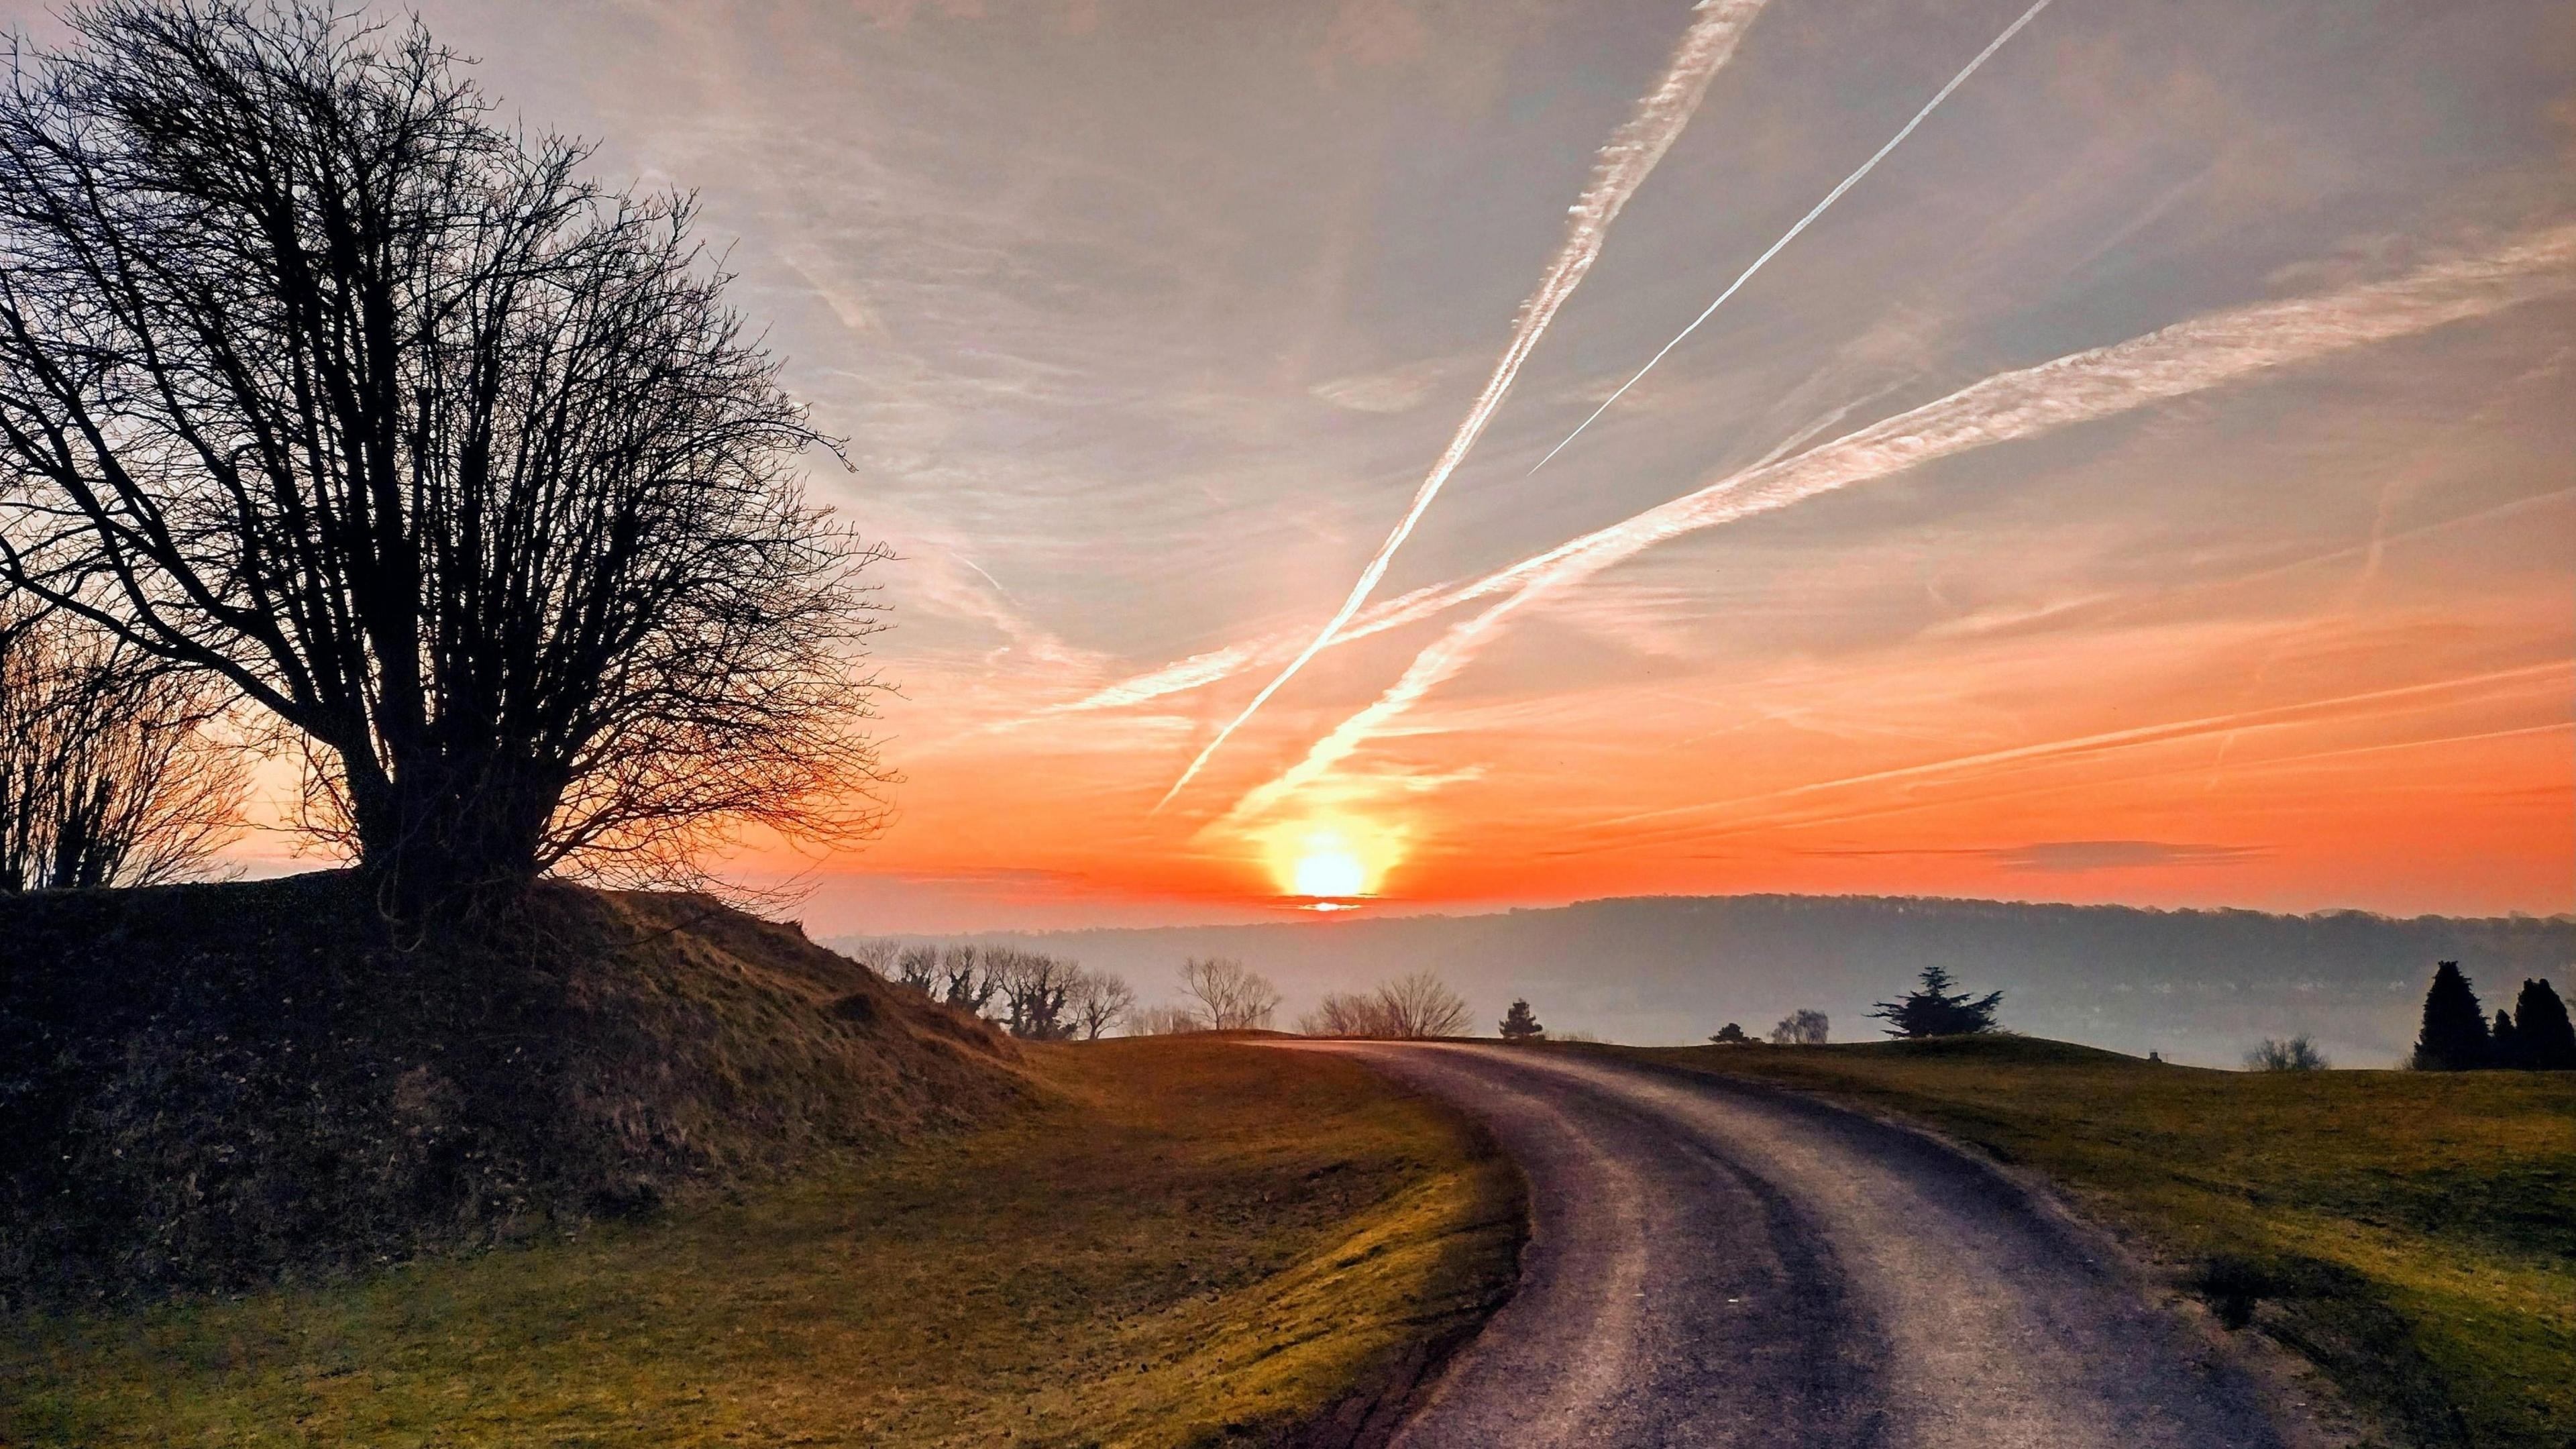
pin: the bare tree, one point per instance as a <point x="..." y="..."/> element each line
<point x="316" y="377"/>
<point x="1422" y="1005"/>
<point x="2298" y="1054"/>
<point x="918" y="968"/>
<point x="1229" y="997"/>
<point x="1099" y="1002"/>
<point x="965" y="980"/>
<point x="1801" y="1028"/>
<point x="1036" y="992"/>
<point x="1345" y="1013"/>
<point x="1165" y="1021"/>
<point x="877" y="953"/>
<point x="107" y="776"/>
<point x="1414" y="1006"/>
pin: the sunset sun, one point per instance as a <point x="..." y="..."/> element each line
<point x="1327" y="869"/>
<point x="1331" y="862"/>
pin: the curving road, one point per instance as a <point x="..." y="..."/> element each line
<point x="1714" y="1263"/>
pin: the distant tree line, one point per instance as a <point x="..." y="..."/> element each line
<point x="1029" y="994"/>
<point x="2458" y="1036"/>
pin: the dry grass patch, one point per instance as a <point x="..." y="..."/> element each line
<point x="1196" y="1242"/>
<point x="2412" y="1233"/>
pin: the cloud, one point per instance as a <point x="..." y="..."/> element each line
<point x="2082" y="387"/>
<point x="1395" y="390"/>
<point x="2075" y="856"/>
<point x="1634" y="150"/>
<point x="2069" y="857"/>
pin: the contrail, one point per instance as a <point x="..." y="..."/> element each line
<point x="1804" y="222"/>
<point x="1623" y="167"/>
<point x="1198" y="670"/>
<point x="2081" y="387"/>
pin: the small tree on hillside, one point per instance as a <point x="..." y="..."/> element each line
<point x="1731" y="1034"/>
<point x="2298" y="1054"/>
<point x="2454" y="1035"/>
<point x="1933" y="1009"/>
<point x="1801" y="1028"/>
<point x="918" y="968"/>
<point x="1230" y="997"/>
<point x="1520" y="1023"/>
<point x="2540" y="1020"/>
<point x="1099" y="1001"/>
<point x="1036" y="992"/>
<point x="107" y="775"/>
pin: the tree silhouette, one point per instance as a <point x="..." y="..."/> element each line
<point x="1520" y="1024"/>
<point x="2540" y="1021"/>
<point x="2504" y="1043"/>
<point x="107" y="776"/>
<point x="1933" y="1009"/>
<point x="317" y="376"/>
<point x="2454" y="1035"/>
<point x="1730" y="1034"/>
<point x="1801" y="1028"/>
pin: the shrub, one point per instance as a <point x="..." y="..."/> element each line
<point x="2298" y="1054"/>
<point x="1800" y="1028"/>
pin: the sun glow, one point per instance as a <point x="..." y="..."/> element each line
<point x="1330" y="864"/>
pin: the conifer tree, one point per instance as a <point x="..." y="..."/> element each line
<point x="1933" y="1009"/>
<point x="2540" y="1020"/>
<point x="2504" y="1043"/>
<point x="2454" y="1036"/>
<point x="1519" y="1024"/>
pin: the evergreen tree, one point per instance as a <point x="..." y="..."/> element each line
<point x="1730" y="1035"/>
<point x="2540" y="1020"/>
<point x="2454" y="1037"/>
<point x="1933" y="1009"/>
<point x="2504" y="1044"/>
<point x="1520" y="1025"/>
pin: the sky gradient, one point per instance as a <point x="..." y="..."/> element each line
<point x="2168" y="499"/>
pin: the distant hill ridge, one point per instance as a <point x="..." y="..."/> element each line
<point x="2195" y="984"/>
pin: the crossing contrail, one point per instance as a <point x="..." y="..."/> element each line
<point x="2081" y="387"/>
<point x="1804" y="222"/>
<point x="1623" y="166"/>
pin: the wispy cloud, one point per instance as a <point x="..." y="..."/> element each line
<point x="1623" y="167"/>
<point x="2186" y="358"/>
<point x="1819" y="209"/>
<point x="2075" y="857"/>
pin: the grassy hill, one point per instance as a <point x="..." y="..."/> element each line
<point x="205" y="1087"/>
<point x="641" y="1170"/>
<point x="2412" y="1233"/>
<point x="1188" y="1242"/>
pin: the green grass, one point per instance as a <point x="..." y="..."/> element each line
<point x="2413" y="1234"/>
<point x="1196" y="1242"/>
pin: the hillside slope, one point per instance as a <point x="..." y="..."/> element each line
<point x="207" y="1086"/>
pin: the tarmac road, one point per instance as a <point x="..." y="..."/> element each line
<point x="1725" y="1264"/>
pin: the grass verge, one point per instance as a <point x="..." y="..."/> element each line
<point x="1194" y="1242"/>
<point x="2413" y="1234"/>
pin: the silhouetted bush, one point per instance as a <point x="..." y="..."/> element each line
<point x="1801" y="1028"/>
<point x="2298" y="1054"/>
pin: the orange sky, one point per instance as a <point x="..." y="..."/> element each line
<point x="2175" y="504"/>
